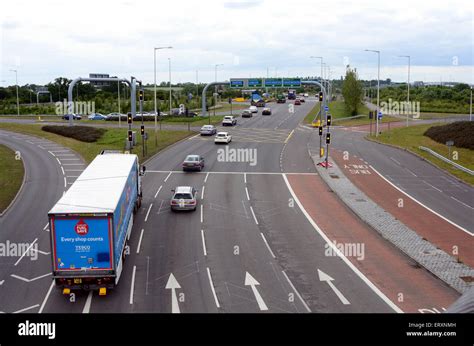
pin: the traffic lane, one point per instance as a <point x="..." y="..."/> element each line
<point x="302" y="253"/>
<point x="431" y="227"/>
<point x="404" y="167"/>
<point x="171" y="244"/>
<point x="294" y="156"/>
<point x="235" y="247"/>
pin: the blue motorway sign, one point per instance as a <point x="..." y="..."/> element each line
<point x="236" y="83"/>
<point x="254" y="83"/>
<point x="273" y="82"/>
<point x="291" y="82"/>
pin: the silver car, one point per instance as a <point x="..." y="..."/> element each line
<point x="208" y="130"/>
<point x="184" y="198"/>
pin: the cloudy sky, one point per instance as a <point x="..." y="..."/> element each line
<point x="48" y="38"/>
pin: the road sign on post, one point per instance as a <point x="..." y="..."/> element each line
<point x="254" y="82"/>
<point x="380" y="115"/>
<point x="449" y="144"/>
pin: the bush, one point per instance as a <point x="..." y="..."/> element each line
<point x="461" y="132"/>
<point x="87" y="134"/>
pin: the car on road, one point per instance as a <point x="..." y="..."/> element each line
<point x="281" y="99"/>
<point x="247" y="114"/>
<point x="184" y="198"/>
<point x="223" y="137"/>
<point x="302" y="99"/>
<point x="96" y="116"/>
<point x="193" y="163"/>
<point x="74" y="116"/>
<point x="229" y="120"/>
<point x="267" y="111"/>
<point x="208" y="130"/>
<point x="115" y="116"/>
<point x="297" y="102"/>
<point x="306" y="95"/>
<point x="253" y="109"/>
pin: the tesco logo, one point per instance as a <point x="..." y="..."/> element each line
<point x="81" y="228"/>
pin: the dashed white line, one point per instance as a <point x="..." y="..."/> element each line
<point x="247" y="193"/>
<point x="157" y="192"/>
<point x="46" y="226"/>
<point x="133" y="284"/>
<point x="65" y="182"/>
<point x="212" y="288"/>
<point x="397" y="162"/>
<point x="203" y="243"/>
<point x="51" y="153"/>
<point x="457" y="200"/>
<point x="245" y="178"/>
<point x="87" y="306"/>
<point x="296" y="292"/>
<point x="166" y="179"/>
<point x="254" y="217"/>
<point x="207" y="175"/>
<point x="268" y="246"/>
<point x="202" y="192"/>
<point x="148" y="212"/>
<point x="140" y="240"/>
<point x="411" y="172"/>
<point x="46" y="297"/>
<point x="434" y="187"/>
<point x="202" y="217"/>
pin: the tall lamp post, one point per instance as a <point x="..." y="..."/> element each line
<point x="321" y="58"/>
<point x="169" y="68"/>
<point x="154" y="98"/>
<point x="378" y="91"/>
<point x="17" y="98"/>
<point x="408" y="85"/>
<point x="470" y="107"/>
<point x="215" y="89"/>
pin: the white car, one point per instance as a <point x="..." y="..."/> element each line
<point x="223" y="137"/>
<point x="253" y="109"/>
<point x="229" y="120"/>
<point x="306" y="95"/>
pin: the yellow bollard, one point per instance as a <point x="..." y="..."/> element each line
<point x="321" y="152"/>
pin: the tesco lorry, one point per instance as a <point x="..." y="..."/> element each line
<point x="91" y="223"/>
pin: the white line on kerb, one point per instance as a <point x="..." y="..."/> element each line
<point x="166" y="179"/>
<point x="415" y="200"/>
<point x="62" y="169"/>
<point x="65" y="182"/>
<point x="46" y="297"/>
<point x="254" y="217"/>
<point x="202" y="217"/>
<point x="157" y="192"/>
<point x="202" y="192"/>
<point x="247" y="192"/>
<point x="268" y="246"/>
<point x="339" y="253"/>
<point x="203" y="243"/>
<point x="87" y="306"/>
<point x="58" y="161"/>
<point x="133" y="284"/>
<point x="140" y="240"/>
<point x="212" y="288"/>
<point x="296" y="292"/>
<point x="51" y="153"/>
<point x="26" y="251"/>
<point x="148" y="212"/>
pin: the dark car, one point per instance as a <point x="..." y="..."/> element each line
<point x="297" y="102"/>
<point x="74" y="116"/>
<point x="193" y="163"/>
<point x="246" y="114"/>
<point x="267" y="111"/>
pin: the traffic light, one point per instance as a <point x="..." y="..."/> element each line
<point x="371" y="115"/>
<point x="129" y="118"/>
<point x="130" y="137"/>
<point x="140" y="94"/>
<point x="320" y="96"/>
<point x="142" y="130"/>
<point x="320" y="130"/>
<point x="328" y="138"/>
<point x="328" y="122"/>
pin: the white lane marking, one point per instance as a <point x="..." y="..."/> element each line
<point x="65" y="182"/>
<point x="26" y="309"/>
<point x="411" y="172"/>
<point x="59" y="151"/>
<point x="250" y="281"/>
<point x="245" y="178"/>
<point x="51" y="153"/>
<point x="339" y="253"/>
<point x="87" y="306"/>
<point x="397" y="162"/>
<point x="132" y="287"/>
<point x="207" y="176"/>
<point x="289" y="136"/>
<point x="30" y="142"/>
<point x="434" y="187"/>
<point x="254" y="217"/>
<point x="325" y="277"/>
<point x="72" y="176"/>
<point x="58" y="161"/>
<point x="64" y="155"/>
<point x="71" y="164"/>
<point x="268" y="246"/>
<point x="296" y="292"/>
<point x="415" y="200"/>
<point x="202" y="217"/>
<point x="212" y="287"/>
<point x="247" y="193"/>
<point x="172" y="285"/>
<point x="39" y="146"/>
<point x="46" y="297"/>
<point x="202" y="192"/>
<point x="157" y="192"/>
<point x="166" y="179"/>
<point x="194" y="136"/>
<point x="29" y="280"/>
<point x="140" y="240"/>
<point x="62" y="169"/>
<point x="457" y="200"/>
<point x="203" y="243"/>
<point x="45" y="226"/>
<point x="148" y="212"/>
<point x="26" y="251"/>
<point x="234" y="172"/>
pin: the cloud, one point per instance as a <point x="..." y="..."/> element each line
<point x="242" y="4"/>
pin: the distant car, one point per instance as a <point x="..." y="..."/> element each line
<point x="222" y="137"/>
<point x="115" y="116"/>
<point x="281" y="99"/>
<point x="253" y="109"/>
<point x="247" y="114"/>
<point x="184" y="198"/>
<point x="208" y="130"/>
<point x="267" y="111"/>
<point x="96" y="116"/>
<point x="74" y="116"/>
<point x="229" y="120"/>
<point x="306" y="95"/>
<point x="302" y="99"/>
<point x="193" y="163"/>
<point x="297" y="102"/>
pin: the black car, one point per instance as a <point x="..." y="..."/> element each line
<point x="74" y="116"/>
<point x="246" y="114"/>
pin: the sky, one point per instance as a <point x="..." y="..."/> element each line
<point x="46" y="39"/>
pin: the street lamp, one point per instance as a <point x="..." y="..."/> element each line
<point x="17" y="98"/>
<point x="321" y="58"/>
<point x="169" y="68"/>
<point x="378" y="91"/>
<point x="408" y="84"/>
<point x="154" y="64"/>
<point x="215" y="89"/>
<point x="470" y="107"/>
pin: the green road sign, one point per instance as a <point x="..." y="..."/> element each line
<point x="254" y="83"/>
<point x="273" y="83"/>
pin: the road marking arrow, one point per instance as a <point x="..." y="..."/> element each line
<point x="1" y="282"/>
<point x="250" y="281"/>
<point x="29" y="280"/>
<point x="325" y="277"/>
<point x="172" y="285"/>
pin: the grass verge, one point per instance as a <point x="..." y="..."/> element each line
<point x="11" y="176"/>
<point x="337" y="110"/>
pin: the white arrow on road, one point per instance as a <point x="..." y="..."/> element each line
<point x="172" y="285"/>
<point x="1" y="282"/>
<point x="250" y="281"/>
<point x="325" y="277"/>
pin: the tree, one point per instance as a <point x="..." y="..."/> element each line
<point x="352" y="92"/>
